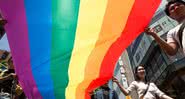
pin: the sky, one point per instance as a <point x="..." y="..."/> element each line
<point x="4" y="43"/>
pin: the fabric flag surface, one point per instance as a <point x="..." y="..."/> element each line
<point x="63" y="49"/>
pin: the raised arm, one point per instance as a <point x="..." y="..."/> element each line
<point x="161" y="94"/>
<point x="11" y="75"/>
<point x="125" y="92"/>
<point x="166" y="97"/>
<point x="169" y="48"/>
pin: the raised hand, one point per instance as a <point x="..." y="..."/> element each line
<point x="150" y="31"/>
<point x="114" y="79"/>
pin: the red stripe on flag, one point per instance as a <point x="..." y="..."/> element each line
<point x="138" y="19"/>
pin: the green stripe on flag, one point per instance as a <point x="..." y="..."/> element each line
<point x="64" y="22"/>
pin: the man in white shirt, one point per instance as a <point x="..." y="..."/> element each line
<point x="175" y="9"/>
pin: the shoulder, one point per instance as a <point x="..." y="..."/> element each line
<point x="135" y="83"/>
<point x="174" y="30"/>
<point x="152" y="84"/>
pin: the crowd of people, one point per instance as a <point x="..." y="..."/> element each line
<point x="9" y="86"/>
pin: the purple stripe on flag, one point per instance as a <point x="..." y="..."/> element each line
<point x="17" y="32"/>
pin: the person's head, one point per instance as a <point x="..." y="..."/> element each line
<point x="10" y="64"/>
<point x="105" y="85"/>
<point x="176" y="10"/>
<point x="140" y="72"/>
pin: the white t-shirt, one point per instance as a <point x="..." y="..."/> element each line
<point x="140" y="87"/>
<point x="172" y="36"/>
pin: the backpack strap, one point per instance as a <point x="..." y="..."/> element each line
<point x="145" y="90"/>
<point x="180" y="33"/>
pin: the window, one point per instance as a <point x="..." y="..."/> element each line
<point x="154" y="65"/>
<point x="163" y="67"/>
<point x="157" y="74"/>
<point x="158" y="28"/>
<point x="164" y="23"/>
<point x="149" y="72"/>
<point x="137" y="56"/>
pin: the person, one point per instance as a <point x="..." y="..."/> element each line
<point x="6" y="78"/>
<point x="9" y="83"/>
<point x="6" y="81"/>
<point x="2" y="20"/>
<point x="175" y="9"/>
<point x="145" y="89"/>
<point x="2" y="24"/>
<point x="104" y="92"/>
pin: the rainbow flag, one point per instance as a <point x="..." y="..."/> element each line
<point x="63" y="49"/>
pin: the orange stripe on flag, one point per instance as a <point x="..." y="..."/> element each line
<point x="114" y="21"/>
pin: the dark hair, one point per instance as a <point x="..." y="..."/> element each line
<point x="136" y="73"/>
<point x="166" y="10"/>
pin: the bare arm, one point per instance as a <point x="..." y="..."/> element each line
<point x="161" y="94"/>
<point x="8" y="76"/>
<point x="169" y="48"/>
<point x="120" y="86"/>
<point x="166" y="97"/>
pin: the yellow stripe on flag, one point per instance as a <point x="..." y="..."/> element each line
<point x="90" y="20"/>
